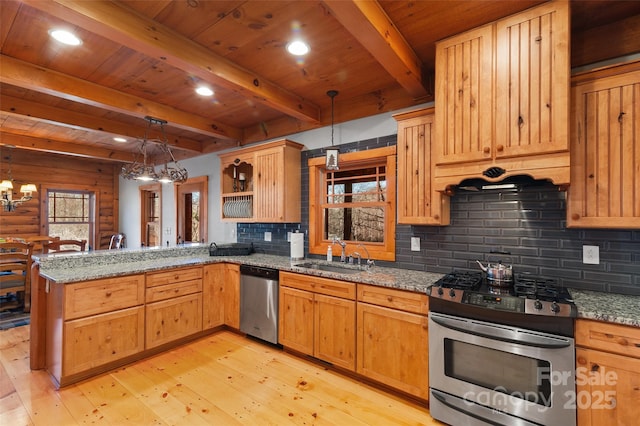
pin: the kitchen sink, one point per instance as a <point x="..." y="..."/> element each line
<point x="329" y="268"/>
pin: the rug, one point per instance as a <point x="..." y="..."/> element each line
<point x="12" y="317"/>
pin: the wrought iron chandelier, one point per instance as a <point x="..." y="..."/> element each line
<point x="144" y="171"/>
<point x="6" y="192"/>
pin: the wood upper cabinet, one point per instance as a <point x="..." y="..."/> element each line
<point x="270" y="190"/>
<point x="393" y="338"/>
<point x="418" y="203"/>
<point x="605" y="151"/>
<point x="608" y="373"/>
<point x="502" y="99"/>
<point x="213" y="285"/>
<point x="173" y="305"/>
<point x="317" y="316"/>
<point x="464" y="97"/>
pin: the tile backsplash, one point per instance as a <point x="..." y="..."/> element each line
<point x="530" y="224"/>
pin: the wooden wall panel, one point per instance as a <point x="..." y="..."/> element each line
<point x="57" y="172"/>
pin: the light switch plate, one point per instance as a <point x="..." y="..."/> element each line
<point x="267" y="236"/>
<point x="591" y="255"/>
<point x="289" y="236"/>
<point x="415" y="243"/>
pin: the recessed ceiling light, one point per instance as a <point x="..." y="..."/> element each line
<point x="298" y="48"/>
<point x="204" y="91"/>
<point x="117" y="139"/>
<point x="66" y="37"/>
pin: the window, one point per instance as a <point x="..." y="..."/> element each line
<point x="70" y="215"/>
<point x="355" y="203"/>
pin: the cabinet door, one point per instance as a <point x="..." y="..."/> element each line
<point x="97" y="340"/>
<point x="213" y="285"/>
<point x="232" y="295"/>
<point x="172" y="319"/>
<point x="296" y="320"/>
<point x="418" y="203"/>
<point x="464" y="98"/>
<point x="608" y="388"/>
<point x="335" y="330"/>
<point x="605" y="153"/>
<point x="393" y="348"/>
<point x="532" y="81"/>
<point x="269" y="185"/>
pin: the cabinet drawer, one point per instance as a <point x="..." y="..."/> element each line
<point x="616" y="338"/>
<point x="99" y="296"/>
<point x="391" y="298"/>
<point x="343" y="289"/>
<point x="162" y="292"/>
<point x="172" y="319"/>
<point x="100" y="339"/>
<point x="173" y="276"/>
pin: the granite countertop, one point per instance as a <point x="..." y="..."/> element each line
<point x="104" y="267"/>
<point x="608" y="307"/>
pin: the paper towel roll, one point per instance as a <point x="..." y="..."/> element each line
<point x="297" y="246"/>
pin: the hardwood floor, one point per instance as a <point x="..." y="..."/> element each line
<point x="223" y="379"/>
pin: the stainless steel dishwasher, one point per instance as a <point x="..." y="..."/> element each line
<point x="259" y="302"/>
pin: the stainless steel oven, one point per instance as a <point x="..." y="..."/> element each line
<point x="498" y="357"/>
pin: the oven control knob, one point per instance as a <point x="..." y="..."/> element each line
<point x="537" y="305"/>
<point x="555" y="307"/>
<point x="440" y="291"/>
<point x="452" y="293"/>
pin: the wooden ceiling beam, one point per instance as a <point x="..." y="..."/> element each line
<point x="60" y="147"/>
<point x="125" y="26"/>
<point x="77" y="120"/>
<point x="374" y="30"/>
<point x="22" y="74"/>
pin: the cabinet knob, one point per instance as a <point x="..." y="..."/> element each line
<point x="575" y="216"/>
<point x="486" y="150"/>
<point x="622" y="341"/>
<point x="108" y="294"/>
<point x="389" y="299"/>
<point x="500" y="148"/>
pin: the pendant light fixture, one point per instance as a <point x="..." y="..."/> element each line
<point x="146" y="172"/>
<point x="332" y="161"/>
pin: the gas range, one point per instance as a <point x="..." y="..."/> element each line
<point x="532" y="302"/>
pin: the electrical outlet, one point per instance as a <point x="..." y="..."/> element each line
<point x="415" y="243"/>
<point x="267" y="236"/>
<point x="167" y="231"/>
<point x="591" y="255"/>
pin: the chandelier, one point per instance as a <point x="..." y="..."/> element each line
<point x="6" y="192"/>
<point x="142" y="170"/>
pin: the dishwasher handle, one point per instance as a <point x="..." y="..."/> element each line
<point x="260" y="272"/>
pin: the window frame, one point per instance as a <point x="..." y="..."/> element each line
<point x="318" y="180"/>
<point x="94" y="199"/>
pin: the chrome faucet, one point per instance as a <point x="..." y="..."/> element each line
<point x="343" y="255"/>
<point x="370" y="262"/>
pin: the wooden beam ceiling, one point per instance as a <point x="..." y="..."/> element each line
<point x="125" y="26"/>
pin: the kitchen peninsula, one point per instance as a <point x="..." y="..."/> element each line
<point x="112" y="302"/>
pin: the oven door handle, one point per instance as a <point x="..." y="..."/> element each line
<point x="502" y="333"/>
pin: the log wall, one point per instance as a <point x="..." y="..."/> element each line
<point x="53" y="171"/>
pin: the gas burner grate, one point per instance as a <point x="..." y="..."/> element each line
<point x="463" y="280"/>
<point x="539" y="288"/>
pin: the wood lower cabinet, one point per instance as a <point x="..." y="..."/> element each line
<point x="173" y="305"/>
<point x="232" y="295"/>
<point x="393" y="338"/>
<point x="317" y="317"/>
<point x="213" y="285"/>
<point x="605" y="151"/>
<point x="93" y="323"/>
<point x="608" y="374"/>
<point x="418" y="202"/>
